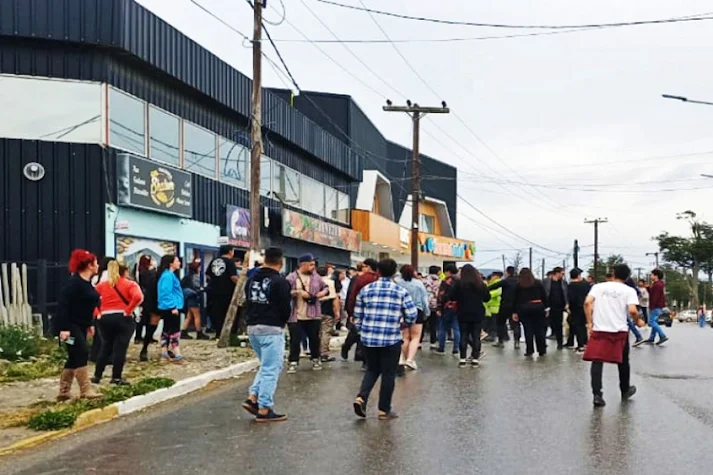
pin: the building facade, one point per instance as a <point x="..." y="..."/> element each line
<point x="121" y="135"/>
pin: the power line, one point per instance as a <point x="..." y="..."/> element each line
<point x="372" y="11"/>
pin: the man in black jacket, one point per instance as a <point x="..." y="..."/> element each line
<point x="556" y="289"/>
<point x="507" y="308"/>
<point x="267" y="309"/>
<point x="577" y="294"/>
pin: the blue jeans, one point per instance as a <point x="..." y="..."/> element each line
<point x="654" y="324"/>
<point x="634" y="330"/>
<point x="270" y="351"/>
<point x="449" y="320"/>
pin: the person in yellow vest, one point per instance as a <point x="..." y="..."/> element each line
<point x="492" y="307"/>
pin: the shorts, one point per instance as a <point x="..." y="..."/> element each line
<point x="420" y="318"/>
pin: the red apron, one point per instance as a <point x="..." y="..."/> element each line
<point x="606" y="347"/>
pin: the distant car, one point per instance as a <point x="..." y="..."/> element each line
<point x="687" y="316"/>
<point x="665" y="318"/>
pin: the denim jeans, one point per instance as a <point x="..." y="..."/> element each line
<point x="270" y="351"/>
<point x="654" y="324"/>
<point x="634" y="330"/>
<point x="449" y="320"/>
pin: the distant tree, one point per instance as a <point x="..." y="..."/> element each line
<point x="605" y="265"/>
<point x="694" y="253"/>
<point x="517" y="261"/>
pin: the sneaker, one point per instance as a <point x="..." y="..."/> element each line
<point x="387" y="416"/>
<point x="251" y="407"/>
<point x="411" y="364"/>
<point x="292" y="368"/>
<point x="316" y="365"/>
<point x="543" y="353"/>
<point x="185" y="335"/>
<point x="178" y="359"/>
<point x="628" y="394"/>
<point x="529" y="354"/>
<point x="499" y="344"/>
<point x="551" y="337"/>
<point x="363" y="367"/>
<point x="143" y="356"/>
<point x="120" y="382"/>
<point x="401" y="370"/>
<point x="649" y="341"/>
<point x="568" y="345"/>
<point x="662" y="341"/>
<point x="599" y="401"/>
<point x="360" y="407"/>
<point x="475" y="362"/>
<point x="271" y="416"/>
<point x="638" y="342"/>
<point x="434" y="346"/>
<point x="517" y="344"/>
<point x="482" y="355"/>
<point x="581" y="349"/>
<point x="462" y="363"/>
<point x="440" y="352"/>
<point x="328" y="359"/>
<point x="202" y="336"/>
<point x="345" y="353"/>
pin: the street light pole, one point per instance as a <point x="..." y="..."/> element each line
<point x="685" y="99"/>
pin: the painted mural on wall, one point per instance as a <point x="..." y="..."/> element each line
<point x="130" y="249"/>
<point x="306" y="228"/>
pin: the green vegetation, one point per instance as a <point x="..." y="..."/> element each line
<point x="65" y="415"/>
<point x="16" y="343"/>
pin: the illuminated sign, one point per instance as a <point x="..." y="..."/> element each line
<point x="438" y="247"/>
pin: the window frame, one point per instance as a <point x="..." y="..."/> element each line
<point x="180" y="137"/>
<point x="145" y="105"/>
<point x="245" y="183"/>
<point x="187" y="123"/>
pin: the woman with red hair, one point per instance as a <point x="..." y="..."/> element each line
<point x="73" y="323"/>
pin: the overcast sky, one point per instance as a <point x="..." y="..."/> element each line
<point x="566" y="112"/>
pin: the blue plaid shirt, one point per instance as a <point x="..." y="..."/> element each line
<point x="380" y="309"/>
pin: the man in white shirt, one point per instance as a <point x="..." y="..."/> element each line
<point x="607" y="307"/>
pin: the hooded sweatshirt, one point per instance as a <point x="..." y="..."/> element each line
<point x="267" y="299"/>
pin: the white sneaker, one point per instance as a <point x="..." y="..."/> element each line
<point x="292" y="368"/>
<point x="411" y="364"/>
<point x="475" y="363"/>
<point x="462" y="363"/>
<point x="434" y="346"/>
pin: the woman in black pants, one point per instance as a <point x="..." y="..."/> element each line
<point x="119" y="299"/>
<point x="470" y="293"/>
<point x="530" y="309"/>
<point x="73" y="323"/>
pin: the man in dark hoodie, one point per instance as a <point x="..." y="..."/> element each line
<point x="507" y="308"/>
<point x="447" y="310"/>
<point x="577" y="292"/>
<point x="267" y="310"/>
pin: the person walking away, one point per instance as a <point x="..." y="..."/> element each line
<point x="507" y="308"/>
<point x="77" y="302"/>
<point x="556" y="289"/>
<point x="632" y="326"/>
<point x="222" y="276"/>
<point x="119" y="298"/>
<point x="267" y="310"/>
<point x="577" y="292"/>
<point x="657" y="302"/>
<point x="170" y="303"/>
<point x="412" y="334"/>
<point x="493" y="307"/>
<point x="608" y="307"/>
<point x="643" y="299"/>
<point x="380" y="311"/>
<point x="530" y="308"/>
<point x="192" y="290"/>
<point x="307" y="287"/>
<point x="471" y="295"/>
<point x="448" y="311"/>
<point x="329" y="306"/>
<point x="148" y="281"/>
<point x="433" y="284"/>
<point x="369" y="274"/>
<point x="701" y="317"/>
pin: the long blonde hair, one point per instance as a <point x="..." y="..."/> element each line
<point x="113" y="273"/>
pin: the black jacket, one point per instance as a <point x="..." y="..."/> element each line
<point x="577" y="293"/>
<point x="267" y="299"/>
<point x="526" y="296"/>
<point x="470" y="300"/>
<point x="508" y="285"/>
<point x="77" y="302"/>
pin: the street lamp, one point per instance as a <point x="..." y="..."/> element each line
<point x="685" y="99"/>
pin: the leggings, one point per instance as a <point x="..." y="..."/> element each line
<point x="78" y="353"/>
<point x="470" y="334"/>
<point x="116" y="330"/>
<point x="171" y="334"/>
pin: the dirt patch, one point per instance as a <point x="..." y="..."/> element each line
<point x="20" y="400"/>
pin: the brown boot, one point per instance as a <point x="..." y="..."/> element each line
<point x="86" y="390"/>
<point x="65" y="385"/>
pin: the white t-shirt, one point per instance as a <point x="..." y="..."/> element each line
<point x="611" y="306"/>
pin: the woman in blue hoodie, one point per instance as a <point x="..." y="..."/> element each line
<point x="170" y="304"/>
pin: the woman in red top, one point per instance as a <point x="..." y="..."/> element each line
<point x="119" y="298"/>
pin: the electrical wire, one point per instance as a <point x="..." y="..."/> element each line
<point x="363" y="8"/>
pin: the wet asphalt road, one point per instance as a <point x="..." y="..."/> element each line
<point x="510" y="416"/>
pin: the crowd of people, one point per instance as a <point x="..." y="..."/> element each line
<point x="383" y="309"/>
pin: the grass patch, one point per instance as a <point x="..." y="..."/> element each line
<point x="48" y="365"/>
<point x="64" y="416"/>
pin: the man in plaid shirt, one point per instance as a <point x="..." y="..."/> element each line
<point x="380" y="311"/>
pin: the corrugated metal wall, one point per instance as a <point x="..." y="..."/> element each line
<point x="126" y="25"/>
<point x="64" y="210"/>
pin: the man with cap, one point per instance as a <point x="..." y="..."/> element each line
<point x="222" y="277"/>
<point x="307" y="287"/>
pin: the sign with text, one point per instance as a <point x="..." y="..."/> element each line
<point x="439" y="246"/>
<point x="149" y="185"/>
<point x="238" y="226"/>
<point x="306" y="228"/>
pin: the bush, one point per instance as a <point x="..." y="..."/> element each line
<point x="53" y="419"/>
<point x="16" y="343"/>
<point x="43" y="367"/>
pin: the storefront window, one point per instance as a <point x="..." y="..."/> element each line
<point x="233" y="162"/>
<point x="286" y="185"/>
<point x="343" y="207"/>
<point x="428" y="224"/>
<point x="199" y="150"/>
<point x="127" y="122"/>
<point x="265" y="175"/>
<point x="330" y="203"/>
<point x="164" y="129"/>
<point x="313" y="196"/>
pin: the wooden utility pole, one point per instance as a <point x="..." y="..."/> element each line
<point x="530" y="258"/>
<point x="255" y="154"/>
<point x="543" y="272"/>
<point x="576" y="254"/>
<point x="596" y="242"/>
<point x="656" y="255"/>
<point x="416" y="113"/>
<point x="504" y="264"/>
<point x="638" y="272"/>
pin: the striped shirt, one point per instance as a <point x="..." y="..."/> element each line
<point x="380" y="309"/>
